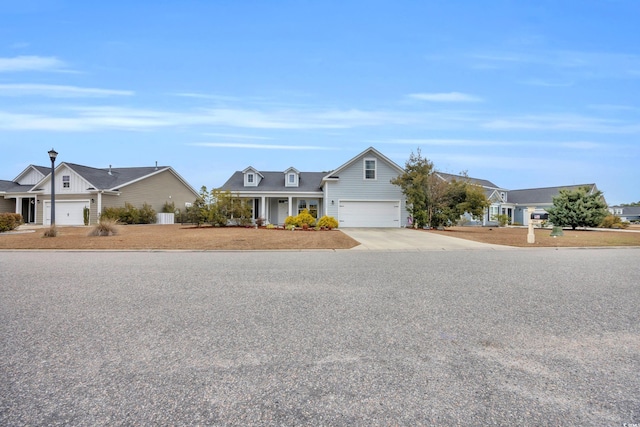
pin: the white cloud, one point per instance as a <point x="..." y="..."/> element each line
<point x="447" y="142"/>
<point x="31" y="63"/>
<point x="58" y="91"/>
<point x="260" y="146"/>
<point x="445" y="97"/>
<point x="236" y="136"/>
<point x="563" y="122"/>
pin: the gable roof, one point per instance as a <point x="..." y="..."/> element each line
<point x="112" y="179"/>
<point x="540" y="196"/>
<point x="481" y="182"/>
<point x="336" y="172"/>
<point x="274" y="181"/>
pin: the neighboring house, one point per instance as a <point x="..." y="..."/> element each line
<point x="626" y="213"/>
<point x="496" y="195"/>
<point x="538" y="198"/>
<point x="358" y="193"/>
<point x="78" y="186"/>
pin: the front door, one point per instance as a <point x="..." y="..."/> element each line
<point x="283" y="210"/>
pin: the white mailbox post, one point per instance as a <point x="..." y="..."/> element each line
<point x="531" y="237"/>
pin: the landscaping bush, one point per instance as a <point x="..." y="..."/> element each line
<point x="105" y="227"/>
<point x="328" y="222"/>
<point x="613" y="221"/>
<point x="52" y="231"/>
<point x="303" y="218"/>
<point x="129" y="214"/>
<point x="169" y="207"/>
<point x="10" y="221"/>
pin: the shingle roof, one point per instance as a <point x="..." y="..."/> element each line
<point x="482" y="182"/>
<point x="629" y="210"/>
<point x="112" y="178"/>
<point x="538" y="196"/>
<point x="274" y="181"/>
<point x="13" y="187"/>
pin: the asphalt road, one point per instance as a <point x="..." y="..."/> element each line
<point x="515" y="337"/>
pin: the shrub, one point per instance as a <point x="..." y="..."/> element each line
<point x="147" y="215"/>
<point x="613" y="221"/>
<point x="271" y="226"/>
<point x="52" y="231"/>
<point x="502" y="219"/>
<point x="129" y="214"/>
<point x="85" y="215"/>
<point x="259" y="221"/>
<point x="105" y="227"/>
<point x="328" y="222"/>
<point x="290" y="221"/>
<point x="305" y="218"/>
<point x="169" y="207"/>
<point x="10" y="221"/>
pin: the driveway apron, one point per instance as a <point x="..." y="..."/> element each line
<point x="403" y="239"/>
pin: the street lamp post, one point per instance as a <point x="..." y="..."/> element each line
<point x="52" y="156"/>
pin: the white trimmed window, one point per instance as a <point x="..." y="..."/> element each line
<point x="250" y="178"/>
<point x="370" y="169"/>
<point x="66" y="181"/>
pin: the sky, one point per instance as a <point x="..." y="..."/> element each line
<point x="525" y="94"/>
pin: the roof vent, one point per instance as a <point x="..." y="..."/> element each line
<point x="156" y="165"/>
<point x="109" y="169"/>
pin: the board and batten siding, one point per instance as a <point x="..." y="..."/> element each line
<point x="163" y="187"/>
<point x="351" y="185"/>
<point x="31" y="178"/>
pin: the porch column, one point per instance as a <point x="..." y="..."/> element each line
<point x="263" y="210"/>
<point x="290" y="203"/>
<point x="19" y="207"/>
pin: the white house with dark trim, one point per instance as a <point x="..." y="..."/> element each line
<point x="78" y="186"/>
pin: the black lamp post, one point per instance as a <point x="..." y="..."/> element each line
<point x="52" y="156"/>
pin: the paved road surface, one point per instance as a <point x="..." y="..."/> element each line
<point x="536" y="337"/>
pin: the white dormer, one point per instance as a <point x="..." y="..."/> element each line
<point x="291" y="177"/>
<point x="251" y="177"/>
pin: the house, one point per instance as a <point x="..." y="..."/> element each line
<point x="358" y="193"/>
<point x="78" y="186"/>
<point x="496" y="195"/>
<point x="538" y="198"/>
<point x="626" y="213"/>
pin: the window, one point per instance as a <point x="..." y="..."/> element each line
<point x="302" y="205"/>
<point x="66" y="181"/>
<point x="250" y="178"/>
<point x="310" y="205"/>
<point x="369" y="169"/>
<point x="292" y="178"/>
<point x="313" y="208"/>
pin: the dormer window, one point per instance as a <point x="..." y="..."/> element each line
<point x="251" y="177"/>
<point x="291" y="177"/>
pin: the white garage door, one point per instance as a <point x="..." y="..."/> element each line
<point x="369" y="214"/>
<point x="67" y="213"/>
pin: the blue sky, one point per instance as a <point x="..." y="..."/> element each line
<point x="522" y="93"/>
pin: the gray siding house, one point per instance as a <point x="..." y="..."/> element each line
<point x="358" y="193"/>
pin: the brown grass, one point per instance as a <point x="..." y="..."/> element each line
<point x="149" y="237"/>
<point x="180" y="237"/>
<point x="518" y="237"/>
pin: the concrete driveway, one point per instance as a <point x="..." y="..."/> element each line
<point x="403" y="239"/>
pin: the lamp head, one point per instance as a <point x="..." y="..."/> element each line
<point x="53" y="154"/>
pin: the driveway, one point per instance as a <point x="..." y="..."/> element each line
<point x="403" y="239"/>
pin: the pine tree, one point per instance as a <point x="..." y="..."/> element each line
<point x="578" y="208"/>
